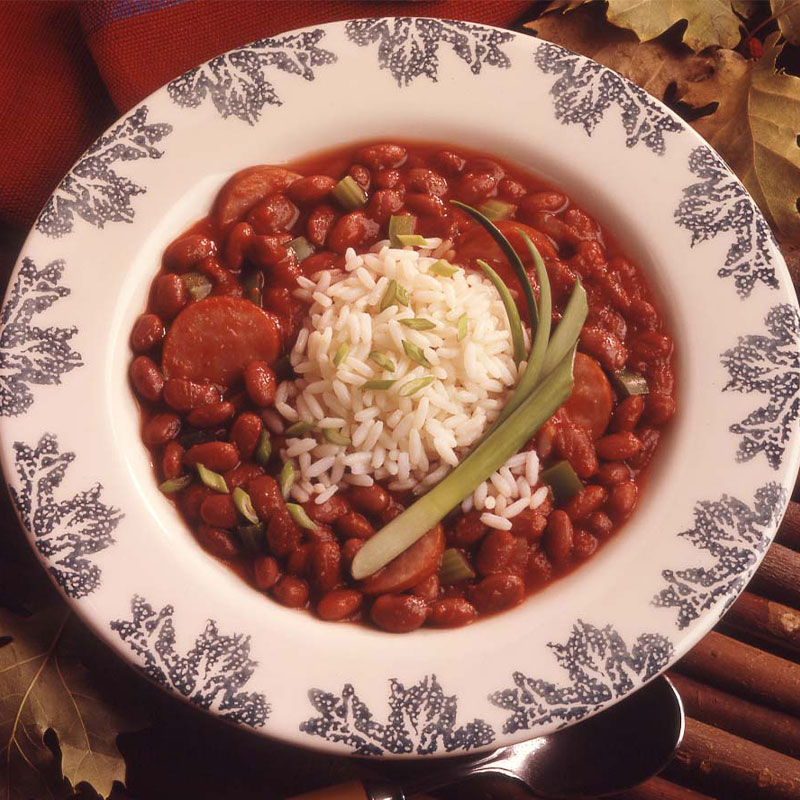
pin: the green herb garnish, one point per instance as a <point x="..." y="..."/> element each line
<point x="341" y="353"/>
<point x="443" y="268"/>
<point x="212" y="479"/>
<point x="173" y="485"/>
<point x="378" y="385"/>
<point x="286" y="479"/>
<point x="299" y="428"/>
<point x="349" y="194"/>
<point x="334" y="436"/>
<point x="244" y="505"/>
<point x="413" y="386"/>
<point x="382" y="360"/>
<point x="418" y="324"/>
<point x="415" y="353"/>
<point x="299" y="515"/>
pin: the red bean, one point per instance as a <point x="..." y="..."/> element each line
<point x="245" y="433"/>
<point x="237" y="245"/>
<point x="381" y="156"/>
<point x="356" y="230"/>
<point x="210" y="415"/>
<point x="399" y="613"/>
<point x="350" y="548"/>
<point x="585" y="502"/>
<point x="184" y="395"/>
<point x="319" y="224"/>
<point x="146" y="378"/>
<point x="219" y="511"/>
<point x="511" y="190"/>
<point x="426" y="181"/>
<point x="291" y="592"/>
<point x="600" y="524"/>
<point x="618" y="446"/>
<point x="147" y="333"/>
<point x="311" y="189"/>
<point x="452" y="612"/>
<point x="299" y="560"/>
<point x="283" y="534"/>
<point x="259" y="380"/>
<point x="159" y="429"/>
<point x="542" y="201"/>
<point x="393" y="510"/>
<point x="360" y="174"/>
<point x="326" y="561"/>
<point x="613" y="472"/>
<point x="530" y="524"/>
<point x="354" y="526"/>
<point x="276" y="214"/>
<point x="498" y="592"/>
<point x="217" y="456"/>
<point x="266" y="496"/>
<point x="627" y="414"/>
<point x="369" y="499"/>
<point x="169" y="295"/>
<point x="643" y="312"/>
<point x="651" y="346"/>
<point x="265" y="572"/>
<point x="426" y="205"/>
<point x="581" y="224"/>
<point x="387" y="178"/>
<point x="475" y="187"/>
<point x="468" y="529"/>
<point x="557" y="540"/>
<point x="584" y="544"/>
<point x="328" y="512"/>
<point x="269" y="249"/>
<point x="246" y="189"/>
<point x="187" y="251"/>
<point x="383" y="204"/>
<point x="575" y="445"/>
<point x="603" y="346"/>
<point x="339" y="604"/>
<point x="622" y="501"/>
<point x="427" y="589"/>
<point x="451" y="164"/>
<point x="496" y="552"/>
<point x="172" y="461"/>
<point x="190" y="500"/>
<point x="539" y="570"/>
<point x="242" y="475"/>
<point x="322" y="533"/>
<point x="218" y="542"/>
<point x="659" y="408"/>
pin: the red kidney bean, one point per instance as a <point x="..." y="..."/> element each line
<point x="259" y="380"/>
<point x="583" y="545"/>
<point x="662" y="379"/>
<point x="360" y="174"/>
<point x="552" y="202"/>
<point x="649" y="438"/>
<point x="659" y="408"/>
<point x="169" y="295"/>
<point x="427" y="589"/>
<point x="310" y="190"/>
<point x="604" y="346"/>
<point x="426" y="205"/>
<point x="147" y="378"/>
<point x="160" y="428"/>
<point x="326" y="566"/>
<point x="218" y="542"/>
<point x="627" y="414"/>
<point x="530" y="524"/>
<point x="265" y="572"/>
<point x="613" y="472"/>
<point x="585" y="502"/>
<point x="147" y="333"/>
<point x="245" y="433"/>
<point x="557" y="539"/>
<point x="186" y="252"/>
<point x="217" y="456"/>
<point x="475" y="187"/>
<point x="510" y="190"/>
<point x="242" y="475"/>
<point x="383" y="204"/>
<point x="643" y="312"/>
<point x="622" y="500"/>
<point x="291" y="592"/>
<point x="319" y="224"/>
<point x="574" y="443"/>
<point x="349" y="549"/>
<point x="283" y="534"/>
<point x="399" y="613"/>
<point x="467" y="530"/>
<point x="426" y="181"/>
<point x="327" y="513"/>
<point x="539" y="570"/>
<point x="190" y="500"/>
<point x="356" y="230"/>
<point x="612" y="321"/>
<point x="322" y="533"/>
<point x="651" y="346"/>
<point x="237" y="245"/>
<point x="172" y="461"/>
<point x="452" y="612"/>
<point x="299" y="560"/>
<point x="224" y="280"/>
<point x="387" y="178"/>
<point x="276" y="214"/>
<point x="354" y="526"/>
<point x="481" y="165"/>
<point x="393" y="510"/>
<point x="495" y="553"/>
<point x="451" y="164"/>
<point x="268" y="250"/>
<point x="183" y="395"/>
<point x="266" y="496"/>
<point x="618" y="446"/>
<point x="219" y="511"/>
<point x="369" y="499"/>
<point x="339" y="604"/>
<point x="581" y="224"/>
<point x="381" y="156"/>
<point x="498" y="592"/>
<point x="600" y="524"/>
<point x="210" y="415"/>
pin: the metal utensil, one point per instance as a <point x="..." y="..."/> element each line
<point x="608" y="753"/>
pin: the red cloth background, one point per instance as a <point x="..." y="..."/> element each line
<point x="68" y="69"/>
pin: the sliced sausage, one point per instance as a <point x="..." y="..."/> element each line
<point x="592" y="399"/>
<point x="247" y="188"/>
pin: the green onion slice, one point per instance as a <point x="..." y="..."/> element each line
<point x="563" y="480"/>
<point x="212" y="479"/>
<point x="415" y="353"/>
<point x="349" y="194"/>
<point x="629" y="383"/>
<point x="299" y="515"/>
<point x="341" y="353"/>
<point x="197" y="284"/>
<point x="402" y="295"/>
<point x="302" y="247"/>
<point x="411" y="240"/>
<point x="382" y="360"/>
<point x="263" y="448"/>
<point x="443" y="268"/>
<point x="418" y="324"/>
<point x="454" y="567"/>
<point x="412" y="387"/>
<point x="400" y="225"/>
<point x="497" y="209"/>
<point x="299" y="428"/>
<point x="286" y="479"/>
<point x="334" y="436"/>
<point x="252" y="538"/>
<point x="389" y="296"/>
<point x="378" y="384"/>
<point x="173" y="485"/>
<point x="514" y="322"/>
<point x="244" y="504"/>
<point x="462" y="324"/>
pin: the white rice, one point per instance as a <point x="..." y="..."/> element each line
<point x="412" y="442"/>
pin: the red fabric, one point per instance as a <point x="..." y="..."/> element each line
<point x="66" y="65"/>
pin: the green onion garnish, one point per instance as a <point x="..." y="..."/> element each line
<point x="514" y="323"/>
<point x="454" y="567"/>
<point x="334" y="436"/>
<point x="389" y="296"/>
<point x="298" y="514"/>
<point x="341" y="353"/>
<point x="497" y="209"/>
<point x="418" y="323"/>
<point x="378" y="384"/>
<point x="462" y="327"/>
<point x="252" y="538"/>
<point x="299" y="428"/>
<point x="382" y="360"/>
<point x="196" y="284"/>
<point x="411" y="240"/>
<point x="443" y="268"/>
<point x="400" y="225"/>
<point x="302" y="247"/>
<point x="401" y="295"/>
<point x="212" y="479"/>
<point x="563" y="480"/>
<point x="412" y="387"/>
<point x="263" y="448"/>
<point x="244" y="504"/>
<point x="349" y="194"/>
<point x="629" y="383"/>
<point x="175" y="484"/>
<point x="286" y="479"/>
<point x="415" y="353"/>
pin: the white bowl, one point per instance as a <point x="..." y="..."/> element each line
<point x="85" y="491"/>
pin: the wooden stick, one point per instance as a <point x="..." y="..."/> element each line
<point x="766" y="619"/>
<point x="762" y="725"/>
<point x="778" y="576"/>
<point x="659" y="789"/>
<point x="718" y="762"/>
<point x="789" y="531"/>
<point x="740" y="668"/>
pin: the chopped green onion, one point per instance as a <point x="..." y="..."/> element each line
<point x="341" y="353"/>
<point x="412" y="387"/>
<point x="485" y="459"/>
<point x="299" y="428"/>
<point x="443" y="268"/>
<point x="400" y="225"/>
<point x="197" y="285"/>
<point x="454" y="567"/>
<point x="497" y="209"/>
<point x="243" y="502"/>
<point x="415" y="353"/>
<point x="563" y="480"/>
<point x="378" y="384"/>
<point x="263" y="448"/>
<point x="401" y="295"/>
<point x="212" y="479"/>
<point x="302" y="247"/>
<point x="389" y="296"/>
<point x="298" y="514"/>
<point x="286" y="479"/>
<point x="418" y="324"/>
<point x="349" y="194"/>
<point x="629" y="383"/>
<point x="411" y="240"/>
<point x="253" y="285"/>
<point x="252" y="538"/>
<point x="175" y="484"/>
<point x="462" y="327"/>
<point x="335" y="437"/>
<point x="382" y="360"/>
<point x="514" y="323"/>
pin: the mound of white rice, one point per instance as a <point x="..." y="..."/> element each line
<point x="407" y="440"/>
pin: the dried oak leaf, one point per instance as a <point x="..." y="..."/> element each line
<point x="755" y="129"/>
<point x="44" y="687"/>
<point x="787" y="13"/>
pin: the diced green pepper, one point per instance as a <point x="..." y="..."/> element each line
<point x="349" y="194"/>
<point x="563" y="480"/>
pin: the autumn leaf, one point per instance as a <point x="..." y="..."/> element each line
<point x="755" y="130"/>
<point x="787" y="13"/>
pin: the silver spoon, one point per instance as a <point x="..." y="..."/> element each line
<point x="608" y="753"/>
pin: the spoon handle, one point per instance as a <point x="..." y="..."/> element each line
<point x="355" y="790"/>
